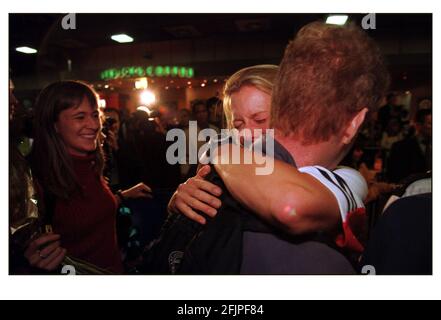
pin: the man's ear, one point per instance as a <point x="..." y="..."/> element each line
<point x="353" y="126"/>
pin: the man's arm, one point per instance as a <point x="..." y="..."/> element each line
<point x="295" y="201"/>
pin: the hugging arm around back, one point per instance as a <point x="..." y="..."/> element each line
<point x="287" y="198"/>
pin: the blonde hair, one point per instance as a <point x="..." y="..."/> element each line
<point x="260" y="76"/>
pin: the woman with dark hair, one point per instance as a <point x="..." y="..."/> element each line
<point x="67" y="161"/>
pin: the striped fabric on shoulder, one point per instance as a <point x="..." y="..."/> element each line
<point x="347" y="198"/>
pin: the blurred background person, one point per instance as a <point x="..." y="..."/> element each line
<point x="112" y="141"/>
<point x="215" y="112"/>
<point x="413" y="154"/>
<point x="392" y="109"/>
<point x="25" y="212"/>
<point x="143" y="158"/>
<point x="392" y="134"/>
<point x="184" y="116"/>
<point x="200" y="113"/>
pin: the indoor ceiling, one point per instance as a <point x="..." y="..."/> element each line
<point x="94" y="30"/>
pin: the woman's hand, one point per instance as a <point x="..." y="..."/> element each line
<point x="196" y="194"/>
<point x="138" y="191"/>
<point x="45" y="252"/>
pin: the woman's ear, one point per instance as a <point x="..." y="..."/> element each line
<point x="353" y="126"/>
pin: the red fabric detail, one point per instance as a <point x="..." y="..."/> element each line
<point x="354" y="233"/>
<point x="87" y="222"/>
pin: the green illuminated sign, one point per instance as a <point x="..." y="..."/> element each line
<point x="149" y="71"/>
<point x="175" y="71"/>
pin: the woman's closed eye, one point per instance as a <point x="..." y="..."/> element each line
<point x="260" y="121"/>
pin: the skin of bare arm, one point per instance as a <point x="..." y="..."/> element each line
<point x="287" y="198"/>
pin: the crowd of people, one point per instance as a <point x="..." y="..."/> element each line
<point x="95" y="188"/>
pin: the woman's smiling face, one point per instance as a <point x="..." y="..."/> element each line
<point x="79" y="128"/>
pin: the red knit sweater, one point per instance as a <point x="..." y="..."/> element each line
<point x="87" y="222"/>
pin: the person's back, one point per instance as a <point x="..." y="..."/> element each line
<point x="401" y="242"/>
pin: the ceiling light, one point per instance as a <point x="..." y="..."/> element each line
<point x="122" y="38"/>
<point x="26" y="50"/>
<point x="337" y="19"/>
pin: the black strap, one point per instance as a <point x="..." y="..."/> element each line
<point x="343" y="182"/>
